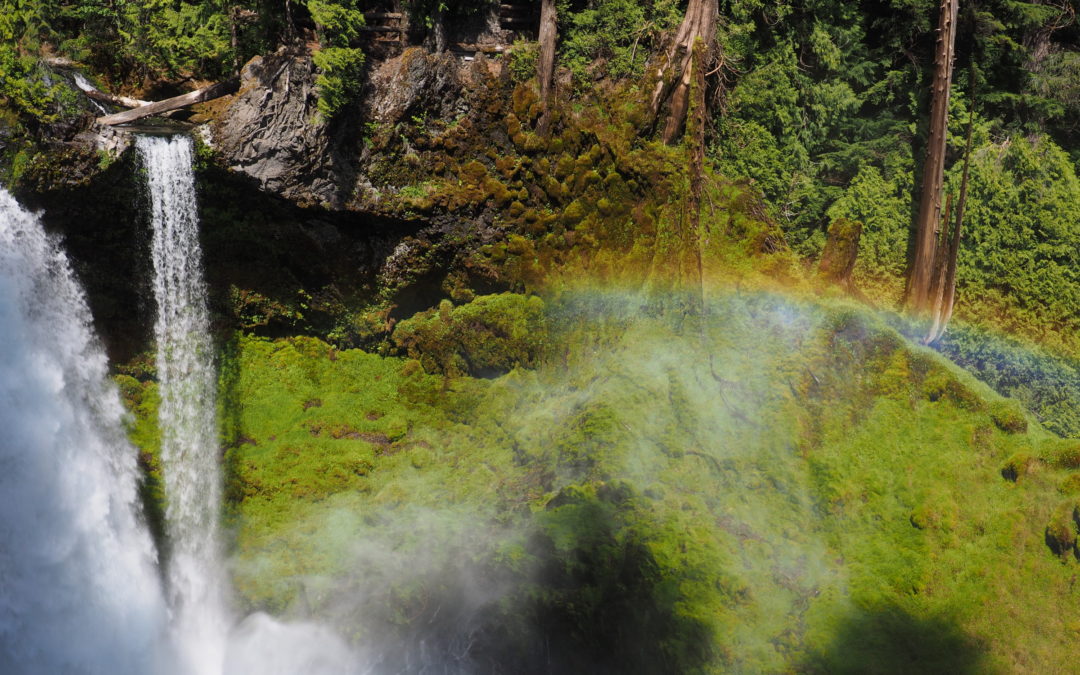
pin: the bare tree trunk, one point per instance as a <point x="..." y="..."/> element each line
<point x="234" y="39"/>
<point x="545" y="68"/>
<point x="697" y="160"/>
<point x="439" y="28"/>
<point x="943" y="313"/>
<point x="105" y="97"/>
<point x="941" y="260"/>
<point x="674" y="75"/>
<point x="926" y="224"/>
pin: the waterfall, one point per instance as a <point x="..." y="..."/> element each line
<point x="207" y="641"/>
<point x="79" y="592"/>
<point x="189" y="447"/>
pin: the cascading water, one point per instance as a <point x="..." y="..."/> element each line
<point x="206" y="641"/>
<point x="189" y="449"/>
<point x="79" y="592"/>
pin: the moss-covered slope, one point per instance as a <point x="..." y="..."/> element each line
<point x="779" y="486"/>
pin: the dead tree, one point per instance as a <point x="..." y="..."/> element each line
<point x="175" y="103"/>
<point x="674" y="74"/>
<point x="946" y="297"/>
<point x="105" y="97"/>
<point x="920" y="278"/>
<point x="545" y="67"/>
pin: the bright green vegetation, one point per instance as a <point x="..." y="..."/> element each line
<point x="780" y="486"/>
<point x="491" y="335"/>
<point x="612" y="37"/>
<point x="142" y="400"/>
<point x="340" y="63"/>
<point x="611" y="482"/>
<point x="826" y="114"/>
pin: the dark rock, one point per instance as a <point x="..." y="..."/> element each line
<point x="416" y="83"/>
<point x="269" y="132"/>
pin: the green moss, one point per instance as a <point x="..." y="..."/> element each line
<point x="941" y="384"/>
<point x="474" y="171"/>
<point x="1008" y="416"/>
<point x="498" y="192"/>
<point x="1062" y="528"/>
<point x="490" y="335"/>
<point x="555" y="190"/>
<point x="524" y="98"/>
<point x="727" y="486"/>
<point x="142" y="401"/>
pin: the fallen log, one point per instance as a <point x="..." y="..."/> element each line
<point x="218" y="90"/>
<point x="59" y="62"/>
<point x="105" y="97"/>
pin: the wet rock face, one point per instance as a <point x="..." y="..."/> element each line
<point x="269" y="132"/>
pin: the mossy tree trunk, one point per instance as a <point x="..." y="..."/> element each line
<point x="545" y="69"/>
<point x="674" y="75"/>
<point x="920" y="277"/>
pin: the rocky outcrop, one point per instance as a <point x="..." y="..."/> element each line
<point x="268" y="131"/>
<point x="415" y="83"/>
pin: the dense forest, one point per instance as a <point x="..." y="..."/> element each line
<point x="601" y="335"/>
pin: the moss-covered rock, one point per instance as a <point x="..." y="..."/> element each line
<point x="1018" y="466"/>
<point x="485" y="337"/>
<point x="1009" y="417"/>
<point x="1070" y="485"/>
<point x="1062" y="529"/>
<point x="1062" y="453"/>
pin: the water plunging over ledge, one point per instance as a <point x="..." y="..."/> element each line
<point x="206" y="640"/>
<point x="189" y="448"/>
<point x="80" y="590"/>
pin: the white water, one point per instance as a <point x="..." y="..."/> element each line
<point x="189" y="448"/>
<point x="207" y="641"/>
<point x="83" y="84"/>
<point x="79" y="592"/>
<point x="80" y="588"/>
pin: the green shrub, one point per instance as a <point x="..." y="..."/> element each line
<point x="612" y="37"/>
<point x="339" y="80"/>
<point x="524" y="56"/>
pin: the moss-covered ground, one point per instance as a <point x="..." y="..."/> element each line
<point x="775" y="485"/>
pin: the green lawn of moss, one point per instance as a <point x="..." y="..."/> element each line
<point x="780" y="486"/>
